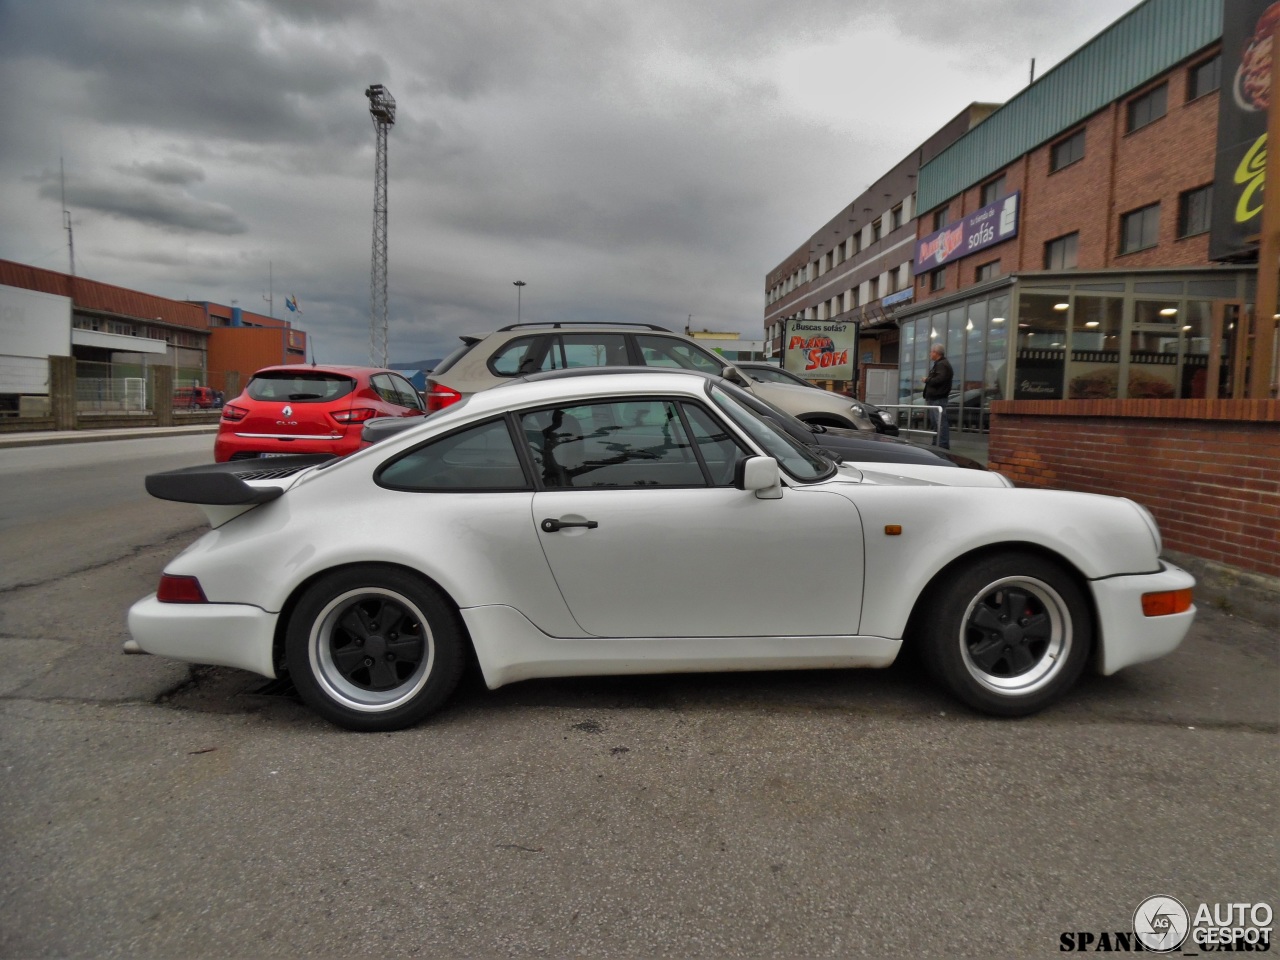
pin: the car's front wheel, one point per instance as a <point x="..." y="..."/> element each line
<point x="1007" y="635"/>
<point x="374" y="648"/>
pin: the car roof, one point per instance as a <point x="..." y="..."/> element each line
<point x="572" y="385"/>
<point x="321" y="368"/>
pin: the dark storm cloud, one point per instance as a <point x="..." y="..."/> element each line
<point x="178" y="173"/>
<point x="154" y="205"/>
<point x="211" y="69"/>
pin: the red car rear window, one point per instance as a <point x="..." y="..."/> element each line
<point x="310" y="387"/>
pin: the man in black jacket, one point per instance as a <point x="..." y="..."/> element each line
<point x="937" y="390"/>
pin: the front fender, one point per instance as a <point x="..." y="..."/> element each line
<point x="1097" y="536"/>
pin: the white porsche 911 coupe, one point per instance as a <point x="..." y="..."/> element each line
<point x="627" y="523"/>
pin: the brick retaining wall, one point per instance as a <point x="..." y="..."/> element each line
<point x="1209" y="470"/>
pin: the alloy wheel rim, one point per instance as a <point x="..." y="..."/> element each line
<point x="1015" y="636"/>
<point x="371" y="649"/>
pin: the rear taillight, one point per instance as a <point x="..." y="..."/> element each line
<point x="440" y="397"/>
<point x="180" y="590"/>
<point x="358" y="415"/>
<point x="232" y="414"/>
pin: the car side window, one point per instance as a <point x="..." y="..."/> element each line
<point x="481" y="458"/>
<point x="586" y="350"/>
<point x="516" y="357"/>
<point x="384" y="388"/>
<point x="622" y="443"/>
<point x="407" y="395"/>
<point x="720" y="452"/>
<point x="670" y="352"/>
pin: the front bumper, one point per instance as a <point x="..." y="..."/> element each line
<point x="225" y="634"/>
<point x="1126" y="635"/>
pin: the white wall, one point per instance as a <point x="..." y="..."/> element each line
<point x="33" y="327"/>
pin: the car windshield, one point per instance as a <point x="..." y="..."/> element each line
<point x="775" y="375"/>
<point x="801" y="461"/>
<point x="313" y="386"/>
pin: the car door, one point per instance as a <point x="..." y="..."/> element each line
<point x="646" y="536"/>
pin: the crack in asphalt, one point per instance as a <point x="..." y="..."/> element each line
<point x="131" y="553"/>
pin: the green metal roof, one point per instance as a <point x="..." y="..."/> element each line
<point x="1144" y="43"/>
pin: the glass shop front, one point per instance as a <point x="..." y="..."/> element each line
<point x="1073" y="336"/>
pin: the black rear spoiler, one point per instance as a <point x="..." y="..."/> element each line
<point x="224" y="484"/>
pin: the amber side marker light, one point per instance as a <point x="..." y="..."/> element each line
<point x="180" y="590"/>
<point x="893" y="529"/>
<point x="1165" y="603"/>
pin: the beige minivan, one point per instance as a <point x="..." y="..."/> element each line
<point x="522" y="348"/>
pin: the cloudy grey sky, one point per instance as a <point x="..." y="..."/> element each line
<point x="644" y="160"/>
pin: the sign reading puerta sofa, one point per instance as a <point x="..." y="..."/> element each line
<point x="994" y="223"/>
<point x="820" y="349"/>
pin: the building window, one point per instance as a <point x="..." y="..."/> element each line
<point x="938" y="279"/>
<point x="1060" y="254"/>
<point x="1066" y="152"/>
<point x="853" y="298"/>
<point x="873" y="289"/>
<point x="877" y="229"/>
<point x="1193" y="211"/>
<point x="856" y="240"/>
<point x="1204" y="78"/>
<point x="1148" y="108"/>
<point x="987" y="271"/>
<point x="940" y="217"/>
<point x="993" y="190"/>
<point x="895" y="217"/>
<point x="1140" y="229"/>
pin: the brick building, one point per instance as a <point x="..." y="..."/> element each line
<point x="117" y="336"/>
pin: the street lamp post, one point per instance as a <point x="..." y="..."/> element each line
<point x="519" y="285"/>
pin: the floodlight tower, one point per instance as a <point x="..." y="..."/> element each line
<point x="382" y="107"/>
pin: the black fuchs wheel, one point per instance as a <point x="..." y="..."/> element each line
<point x="374" y="648"/>
<point x="1008" y="635"/>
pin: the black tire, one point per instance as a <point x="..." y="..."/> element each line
<point x="1008" y="635"/>
<point x="374" y="648"/>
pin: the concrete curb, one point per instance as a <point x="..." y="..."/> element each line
<point x="1240" y="593"/>
<point x="47" y="438"/>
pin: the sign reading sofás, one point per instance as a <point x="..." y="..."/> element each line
<point x="994" y="223"/>
<point x="1242" y="127"/>
<point x="819" y="349"/>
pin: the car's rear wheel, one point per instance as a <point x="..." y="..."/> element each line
<point x="1007" y="635"/>
<point x="374" y="648"/>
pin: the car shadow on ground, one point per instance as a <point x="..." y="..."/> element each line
<point x="901" y="691"/>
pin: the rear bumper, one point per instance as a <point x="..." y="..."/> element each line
<point x="228" y="444"/>
<point x="225" y="634"/>
<point x="1127" y="636"/>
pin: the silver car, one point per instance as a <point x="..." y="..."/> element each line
<point x="523" y="348"/>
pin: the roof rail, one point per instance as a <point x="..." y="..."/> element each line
<point x="556" y="324"/>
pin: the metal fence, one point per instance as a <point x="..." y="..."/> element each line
<point x="125" y="388"/>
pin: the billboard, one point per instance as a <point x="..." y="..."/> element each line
<point x="994" y="223"/>
<point x="820" y="349"/>
<point x="1242" y="127"/>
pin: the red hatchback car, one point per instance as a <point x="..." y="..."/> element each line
<point x="310" y="409"/>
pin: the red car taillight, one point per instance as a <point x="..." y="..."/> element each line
<point x="232" y="414"/>
<point x="180" y="590"/>
<point x="441" y="397"/>
<point x="357" y="415"/>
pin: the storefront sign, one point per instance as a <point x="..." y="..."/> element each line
<point x="983" y="228"/>
<point x="1242" y="127"/>
<point x="820" y="349"/>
